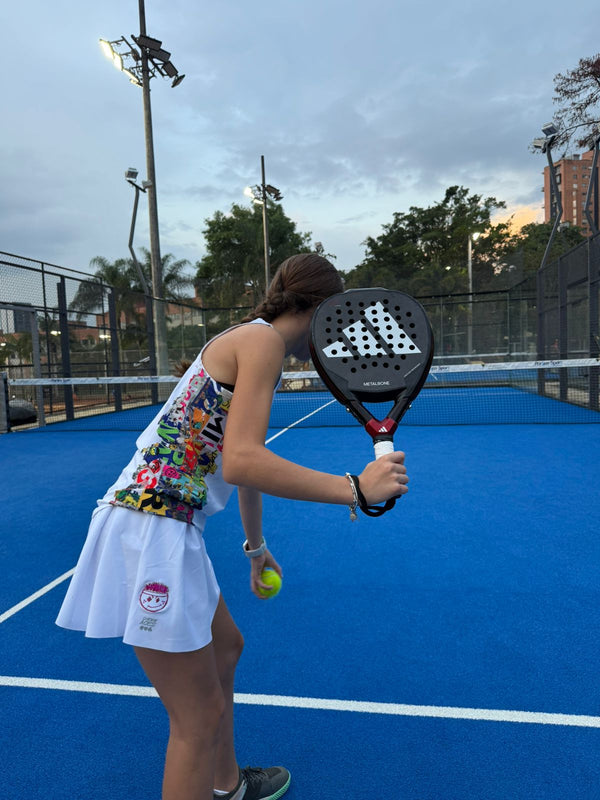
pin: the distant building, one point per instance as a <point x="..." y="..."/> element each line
<point x="573" y="174"/>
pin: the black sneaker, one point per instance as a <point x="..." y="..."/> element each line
<point x="257" y="783"/>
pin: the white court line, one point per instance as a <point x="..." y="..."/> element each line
<point x="41" y="592"/>
<point x="298" y="421"/>
<point x="35" y="596"/>
<point x="324" y="704"/>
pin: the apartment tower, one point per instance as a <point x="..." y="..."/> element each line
<point x="573" y="175"/>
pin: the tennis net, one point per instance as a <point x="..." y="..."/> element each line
<point x="561" y="391"/>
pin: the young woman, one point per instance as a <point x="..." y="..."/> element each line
<point x="144" y="574"/>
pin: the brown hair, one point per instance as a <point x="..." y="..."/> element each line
<point x="181" y="367"/>
<point x="300" y="283"/>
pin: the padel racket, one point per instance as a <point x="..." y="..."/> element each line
<point x="373" y="346"/>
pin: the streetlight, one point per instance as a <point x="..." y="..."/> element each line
<point x="258" y="195"/>
<point x="472" y="238"/>
<point x="544" y="143"/>
<point x="130" y="176"/>
<point x="140" y="64"/>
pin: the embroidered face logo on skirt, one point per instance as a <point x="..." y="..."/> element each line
<point x="154" y="597"/>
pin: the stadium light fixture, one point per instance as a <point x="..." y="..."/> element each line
<point x="258" y="195"/>
<point x="544" y="144"/>
<point x="130" y="176"/>
<point x="142" y="59"/>
<point x="148" y="42"/>
<point x="546" y="141"/>
<point x="549" y="129"/>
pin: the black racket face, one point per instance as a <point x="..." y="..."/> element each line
<point x="372" y="344"/>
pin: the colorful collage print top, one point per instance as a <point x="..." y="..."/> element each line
<point x="171" y="475"/>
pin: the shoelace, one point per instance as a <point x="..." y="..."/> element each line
<point x="254" y="776"/>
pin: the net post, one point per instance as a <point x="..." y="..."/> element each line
<point x="562" y="326"/>
<point x="37" y="369"/>
<point x="541" y="338"/>
<point x="114" y="349"/>
<point x="151" y="344"/>
<point x="64" y="346"/>
<point x="593" y="276"/>
<point x="4" y="406"/>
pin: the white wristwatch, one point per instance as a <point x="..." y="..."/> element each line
<point x="255" y="553"/>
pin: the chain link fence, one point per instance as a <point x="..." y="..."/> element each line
<point x="490" y="326"/>
<point x="86" y="327"/>
<point x="568" y="293"/>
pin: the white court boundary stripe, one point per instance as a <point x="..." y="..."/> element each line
<point x="312" y="703"/>
<point x="53" y="584"/>
<point x="35" y="596"/>
<point x="323" y="704"/>
<point x="298" y="421"/>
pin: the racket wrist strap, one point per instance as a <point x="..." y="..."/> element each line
<point x="370" y="511"/>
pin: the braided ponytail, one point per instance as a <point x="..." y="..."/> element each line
<point x="300" y="283"/>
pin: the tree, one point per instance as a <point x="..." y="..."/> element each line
<point x="522" y="254"/>
<point x="578" y="92"/>
<point x="16" y="345"/>
<point x="122" y="275"/>
<point x="424" y="251"/>
<point x="232" y="271"/>
<point x="176" y="281"/>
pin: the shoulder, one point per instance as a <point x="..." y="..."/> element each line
<point x="254" y="335"/>
<point x="259" y="351"/>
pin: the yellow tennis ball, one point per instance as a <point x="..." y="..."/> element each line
<point x="270" y="577"/>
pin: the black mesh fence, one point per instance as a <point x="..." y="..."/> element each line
<point x="86" y="327"/>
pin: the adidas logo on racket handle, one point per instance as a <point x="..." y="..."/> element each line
<point x="375" y="427"/>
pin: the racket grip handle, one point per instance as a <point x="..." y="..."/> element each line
<point x="383" y="447"/>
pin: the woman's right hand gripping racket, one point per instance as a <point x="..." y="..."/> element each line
<point x="373" y="346"/>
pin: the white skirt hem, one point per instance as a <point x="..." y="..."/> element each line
<point x="144" y="578"/>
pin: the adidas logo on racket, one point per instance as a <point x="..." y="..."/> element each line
<point x="373" y="346"/>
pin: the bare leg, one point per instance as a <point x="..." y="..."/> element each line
<point x="228" y="644"/>
<point x="189" y="686"/>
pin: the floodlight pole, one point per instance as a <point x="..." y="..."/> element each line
<point x="160" y="319"/>
<point x="592" y="191"/>
<point x="472" y="236"/>
<point x="555" y="193"/>
<point x="265" y="225"/>
<point x="470" y="289"/>
<point x="138" y="266"/>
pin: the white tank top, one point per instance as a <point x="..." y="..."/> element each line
<point x="176" y="470"/>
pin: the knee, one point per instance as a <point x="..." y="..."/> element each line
<point x="231" y="652"/>
<point x="199" y="723"/>
<point x="238" y="646"/>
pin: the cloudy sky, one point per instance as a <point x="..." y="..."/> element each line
<point x="360" y="108"/>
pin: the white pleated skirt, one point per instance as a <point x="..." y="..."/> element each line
<point x="145" y="578"/>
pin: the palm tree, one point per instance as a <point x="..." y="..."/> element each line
<point x="122" y="276"/>
<point x="175" y="281"/>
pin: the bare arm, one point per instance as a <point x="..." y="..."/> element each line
<point x="250" y="503"/>
<point x="247" y="462"/>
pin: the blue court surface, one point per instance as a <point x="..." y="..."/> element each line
<point x="448" y="650"/>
